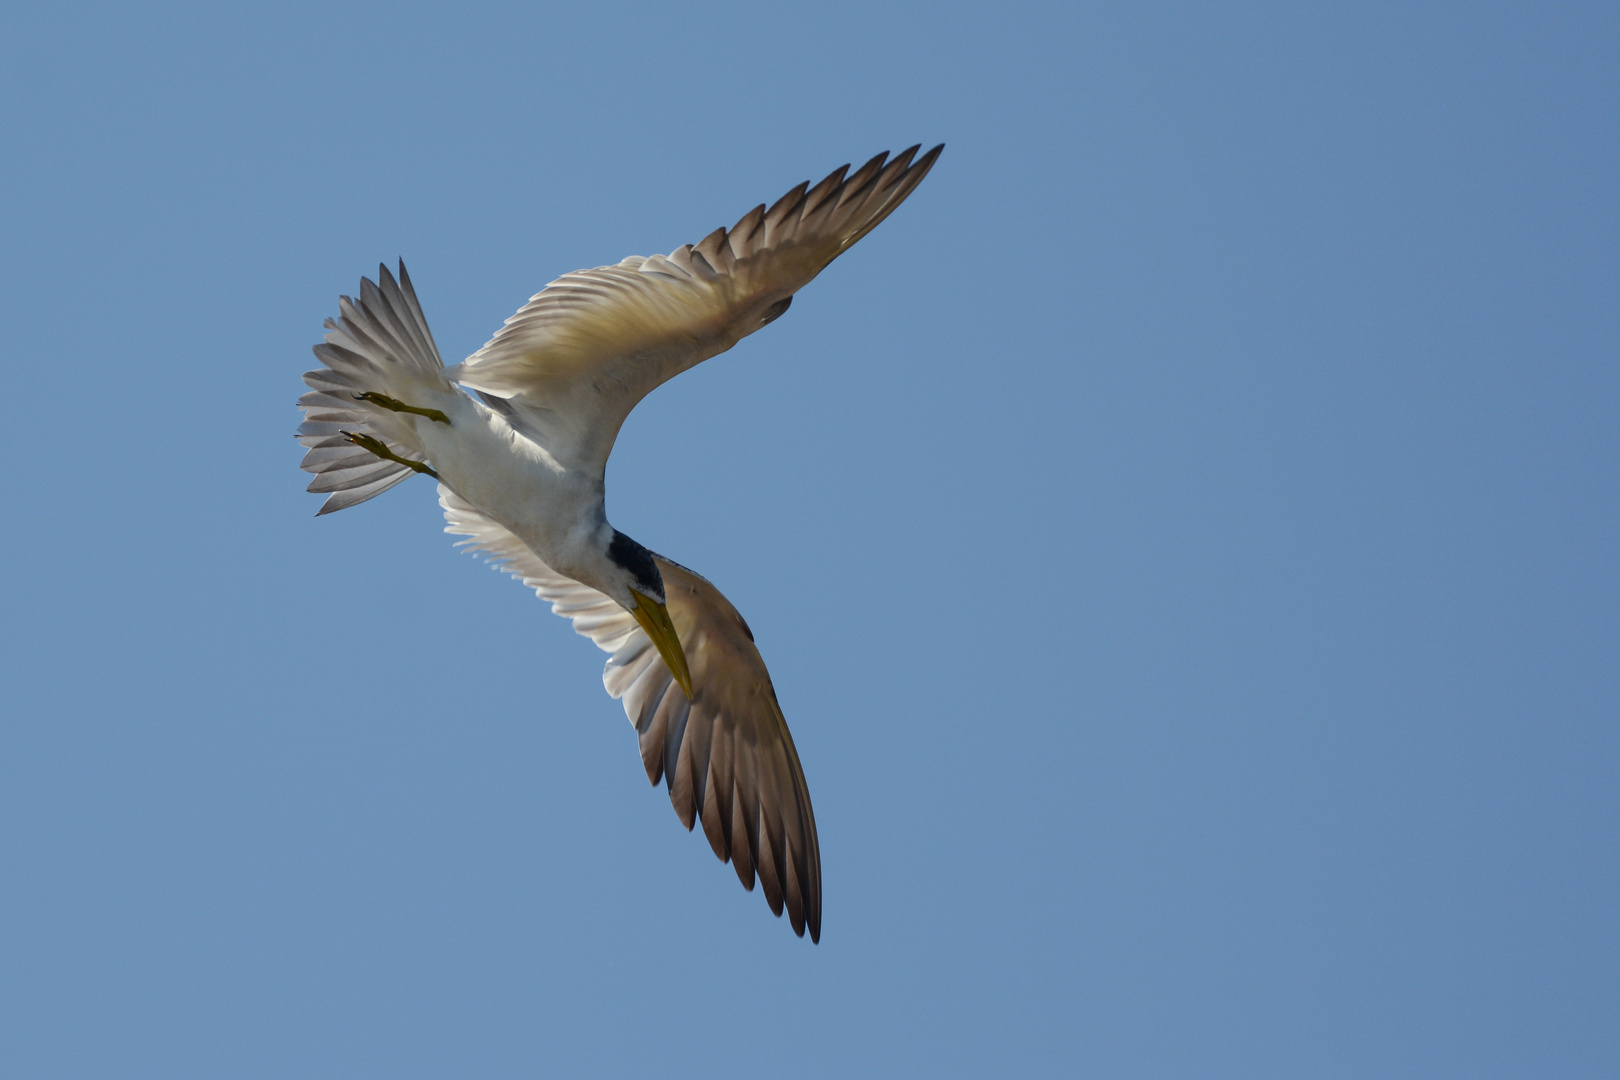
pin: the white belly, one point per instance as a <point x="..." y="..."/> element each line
<point x="557" y="512"/>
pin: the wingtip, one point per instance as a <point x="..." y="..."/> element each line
<point x="926" y="162"/>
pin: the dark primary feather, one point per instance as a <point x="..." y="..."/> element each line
<point x="727" y="756"/>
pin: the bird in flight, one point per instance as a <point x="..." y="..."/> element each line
<point x="520" y="463"/>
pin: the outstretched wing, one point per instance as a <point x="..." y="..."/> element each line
<point x="584" y="350"/>
<point x="726" y="756"/>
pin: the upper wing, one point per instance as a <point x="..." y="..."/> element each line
<point x="726" y="755"/>
<point x="585" y="349"/>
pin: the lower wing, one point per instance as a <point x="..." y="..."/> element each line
<point x="726" y="755"/>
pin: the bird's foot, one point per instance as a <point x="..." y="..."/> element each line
<point x="395" y="405"/>
<point x="378" y="447"/>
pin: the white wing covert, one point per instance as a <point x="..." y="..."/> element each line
<point x="593" y="614"/>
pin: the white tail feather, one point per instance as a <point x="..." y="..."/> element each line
<point x="378" y="344"/>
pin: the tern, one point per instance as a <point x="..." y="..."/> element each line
<point x="518" y="437"/>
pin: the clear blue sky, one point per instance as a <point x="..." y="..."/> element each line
<point x="1184" y="539"/>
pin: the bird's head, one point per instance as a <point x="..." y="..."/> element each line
<point x="644" y="598"/>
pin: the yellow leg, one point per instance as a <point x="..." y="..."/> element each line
<point x="378" y="447"/>
<point x="395" y="405"/>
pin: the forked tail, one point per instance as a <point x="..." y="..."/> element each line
<point x="376" y="351"/>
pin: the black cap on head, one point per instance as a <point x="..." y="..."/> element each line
<point x="639" y="562"/>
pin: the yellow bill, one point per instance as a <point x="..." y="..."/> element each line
<point x="654" y="618"/>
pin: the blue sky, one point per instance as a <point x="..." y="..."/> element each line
<point x="1183" y="538"/>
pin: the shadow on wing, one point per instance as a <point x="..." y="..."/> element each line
<point x="726" y="756"/>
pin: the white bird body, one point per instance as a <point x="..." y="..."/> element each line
<point x="521" y="471"/>
<point x="512" y="478"/>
